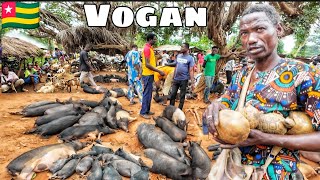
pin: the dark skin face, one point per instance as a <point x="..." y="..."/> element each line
<point x="259" y="36"/>
<point x="5" y="71"/>
<point x="29" y="67"/>
<point x="153" y="41"/>
<point x="184" y="48"/>
<point x="214" y="51"/>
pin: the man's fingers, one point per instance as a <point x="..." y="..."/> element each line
<point x="213" y="147"/>
<point x="215" y="157"/>
<point x="228" y="146"/>
<point x="212" y="128"/>
<point x="216" y="153"/>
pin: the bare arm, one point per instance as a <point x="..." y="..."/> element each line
<point x="148" y="65"/>
<point x="304" y="142"/>
<point x="173" y="64"/>
<point x="191" y="75"/>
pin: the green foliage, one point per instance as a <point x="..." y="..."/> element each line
<point x="302" y="25"/>
<point x="280" y="48"/>
<point x="204" y="43"/>
<point x="63" y="13"/>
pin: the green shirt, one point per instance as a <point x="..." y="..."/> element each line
<point x="211" y="61"/>
<point x="27" y="72"/>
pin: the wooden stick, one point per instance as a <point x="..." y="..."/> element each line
<point x="197" y="115"/>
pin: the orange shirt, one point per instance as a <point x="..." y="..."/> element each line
<point x="166" y="70"/>
<point x="149" y="53"/>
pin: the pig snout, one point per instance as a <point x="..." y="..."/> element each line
<point x="182" y="125"/>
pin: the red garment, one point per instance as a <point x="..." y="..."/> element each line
<point x="200" y="59"/>
<point x="37" y="67"/>
<point x="146" y="50"/>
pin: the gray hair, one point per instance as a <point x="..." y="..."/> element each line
<point x="270" y="11"/>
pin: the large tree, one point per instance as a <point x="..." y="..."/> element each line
<point x="297" y="17"/>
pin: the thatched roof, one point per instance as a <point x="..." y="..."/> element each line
<point x="75" y="38"/>
<point x="14" y="47"/>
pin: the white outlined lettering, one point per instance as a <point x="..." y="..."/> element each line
<point x="193" y="17"/>
<point x="144" y="18"/>
<point x="96" y="17"/>
<point x="170" y="15"/>
<point x="122" y="17"/>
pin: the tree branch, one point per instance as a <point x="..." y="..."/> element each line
<point x="288" y="9"/>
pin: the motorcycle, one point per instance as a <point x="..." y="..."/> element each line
<point x="120" y="65"/>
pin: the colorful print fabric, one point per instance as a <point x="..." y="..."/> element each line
<point x="291" y="85"/>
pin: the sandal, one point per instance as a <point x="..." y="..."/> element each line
<point x="133" y="102"/>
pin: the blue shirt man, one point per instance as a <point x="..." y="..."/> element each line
<point x="182" y="74"/>
<point x="134" y="74"/>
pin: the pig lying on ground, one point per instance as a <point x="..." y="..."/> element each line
<point x="109" y="157"/>
<point x="36" y="111"/>
<point x="91" y="104"/>
<point x="128" y="156"/>
<point x="90" y="90"/>
<point x="57" y="165"/>
<point x="61" y="109"/>
<point x="95" y="171"/>
<point x="100" y="149"/>
<point x="41" y="158"/>
<point x="91" y="118"/>
<point x="111" y="120"/>
<point x="56" y="126"/>
<point x="77" y="132"/>
<point x="126" y="168"/>
<point x="143" y="174"/>
<point x="200" y="163"/>
<point x="176" y="115"/>
<point x="151" y="137"/>
<point x="119" y="92"/>
<point x="101" y="110"/>
<point x="68" y="169"/>
<point x="167" y="165"/>
<point x="84" y="165"/>
<point x="39" y="103"/>
<point x="110" y="173"/>
<point x="123" y="119"/>
<point x="48" y="118"/>
<point x="175" y="133"/>
<point x="107" y="102"/>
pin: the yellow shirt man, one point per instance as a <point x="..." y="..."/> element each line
<point x="149" y="53"/>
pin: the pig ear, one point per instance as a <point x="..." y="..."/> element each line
<point x="199" y="142"/>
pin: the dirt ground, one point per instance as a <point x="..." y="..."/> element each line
<point x="14" y="142"/>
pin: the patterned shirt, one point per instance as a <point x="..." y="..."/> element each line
<point x="132" y="59"/>
<point x="291" y="85"/>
